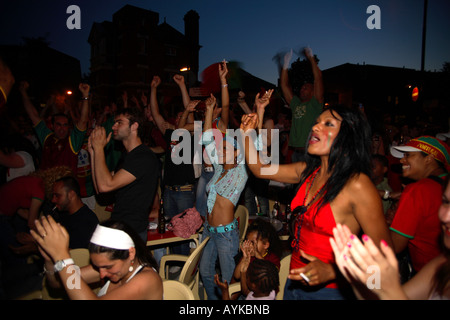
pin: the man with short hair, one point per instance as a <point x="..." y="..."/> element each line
<point x="305" y="107"/>
<point x="60" y="144"/>
<point x="75" y="216"/>
<point x="136" y="181"/>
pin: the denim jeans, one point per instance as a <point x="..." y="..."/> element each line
<point x="201" y="195"/>
<point x="175" y="202"/>
<point x="225" y="246"/>
<point x="294" y="290"/>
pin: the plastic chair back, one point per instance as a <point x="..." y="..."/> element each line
<point x="241" y="215"/>
<point x="283" y="274"/>
<point x="176" y="290"/>
<point x="190" y="268"/>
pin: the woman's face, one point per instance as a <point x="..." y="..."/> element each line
<point x="324" y="132"/>
<point x="226" y="153"/>
<point x="444" y="216"/>
<point x="114" y="270"/>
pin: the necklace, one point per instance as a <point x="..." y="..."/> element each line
<point x="300" y="210"/>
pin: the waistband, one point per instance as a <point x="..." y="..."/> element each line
<point x="221" y="229"/>
<point x="186" y="187"/>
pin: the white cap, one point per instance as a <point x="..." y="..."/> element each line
<point x="398" y="151"/>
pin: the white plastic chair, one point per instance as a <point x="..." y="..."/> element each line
<point x="176" y="290"/>
<point x="189" y="273"/>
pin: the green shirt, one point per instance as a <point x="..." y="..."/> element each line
<point x="304" y="115"/>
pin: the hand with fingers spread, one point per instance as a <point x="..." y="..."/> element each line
<point x="262" y="101"/>
<point x="377" y="270"/>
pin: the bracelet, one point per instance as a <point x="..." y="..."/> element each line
<point x="225" y="85"/>
<point x="387" y="194"/>
<point x="85" y="98"/>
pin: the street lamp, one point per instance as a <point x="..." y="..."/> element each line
<point x="186" y="69"/>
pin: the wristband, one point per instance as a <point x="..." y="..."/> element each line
<point x="85" y="98"/>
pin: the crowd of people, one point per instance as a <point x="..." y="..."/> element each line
<point x="360" y="197"/>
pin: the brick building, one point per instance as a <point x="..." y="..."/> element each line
<point x="129" y="50"/>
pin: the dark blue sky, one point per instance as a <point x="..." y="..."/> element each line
<point x="252" y="32"/>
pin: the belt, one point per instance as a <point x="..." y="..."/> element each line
<point x="221" y="229"/>
<point x="186" y="187"/>
<point x="208" y="169"/>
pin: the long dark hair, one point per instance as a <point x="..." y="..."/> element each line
<point x="142" y="252"/>
<point x="349" y="154"/>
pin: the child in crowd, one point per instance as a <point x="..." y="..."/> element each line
<point x="261" y="243"/>
<point x="261" y="279"/>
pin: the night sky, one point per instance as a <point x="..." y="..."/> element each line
<point x="253" y="32"/>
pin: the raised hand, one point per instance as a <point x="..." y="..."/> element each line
<point x="308" y="53"/>
<point x="210" y="102"/>
<point x="179" y="79"/>
<point x="223" y="70"/>
<point x="249" y="121"/>
<point x="156" y="81"/>
<point x="98" y="139"/>
<point x="84" y="88"/>
<point x="287" y="59"/>
<point x="262" y="102"/>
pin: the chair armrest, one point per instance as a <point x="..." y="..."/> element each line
<point x="169" y="258"/>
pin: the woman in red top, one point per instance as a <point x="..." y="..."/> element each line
<point x="334" y="187"/>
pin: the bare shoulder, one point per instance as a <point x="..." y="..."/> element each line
<point x="360" y="183"/>
<point x="149" y="281"/>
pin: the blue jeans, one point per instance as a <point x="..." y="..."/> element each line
<point x="225" y="246"/>
<point x="294" y="290"/>
<point x="175" y="202"/>
<point x="201" y="195"/>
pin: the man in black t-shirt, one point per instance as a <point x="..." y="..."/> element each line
<point x="137" y="179"/>
<point x="79" y="221"/>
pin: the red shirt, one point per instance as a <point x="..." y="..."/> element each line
<point x="417" y="219"/>
<point x="18" y="193"/>
<point x="315" y="233"/>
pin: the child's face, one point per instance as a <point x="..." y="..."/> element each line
<point x="261" y="245"/>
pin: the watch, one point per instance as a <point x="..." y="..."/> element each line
<point x="61" y="264"/>
<point x="387" y="194"/>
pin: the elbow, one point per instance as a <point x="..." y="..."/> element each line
<point x="104" y="188"/>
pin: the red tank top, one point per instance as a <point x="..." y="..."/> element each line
<point x="315" y="232"/>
